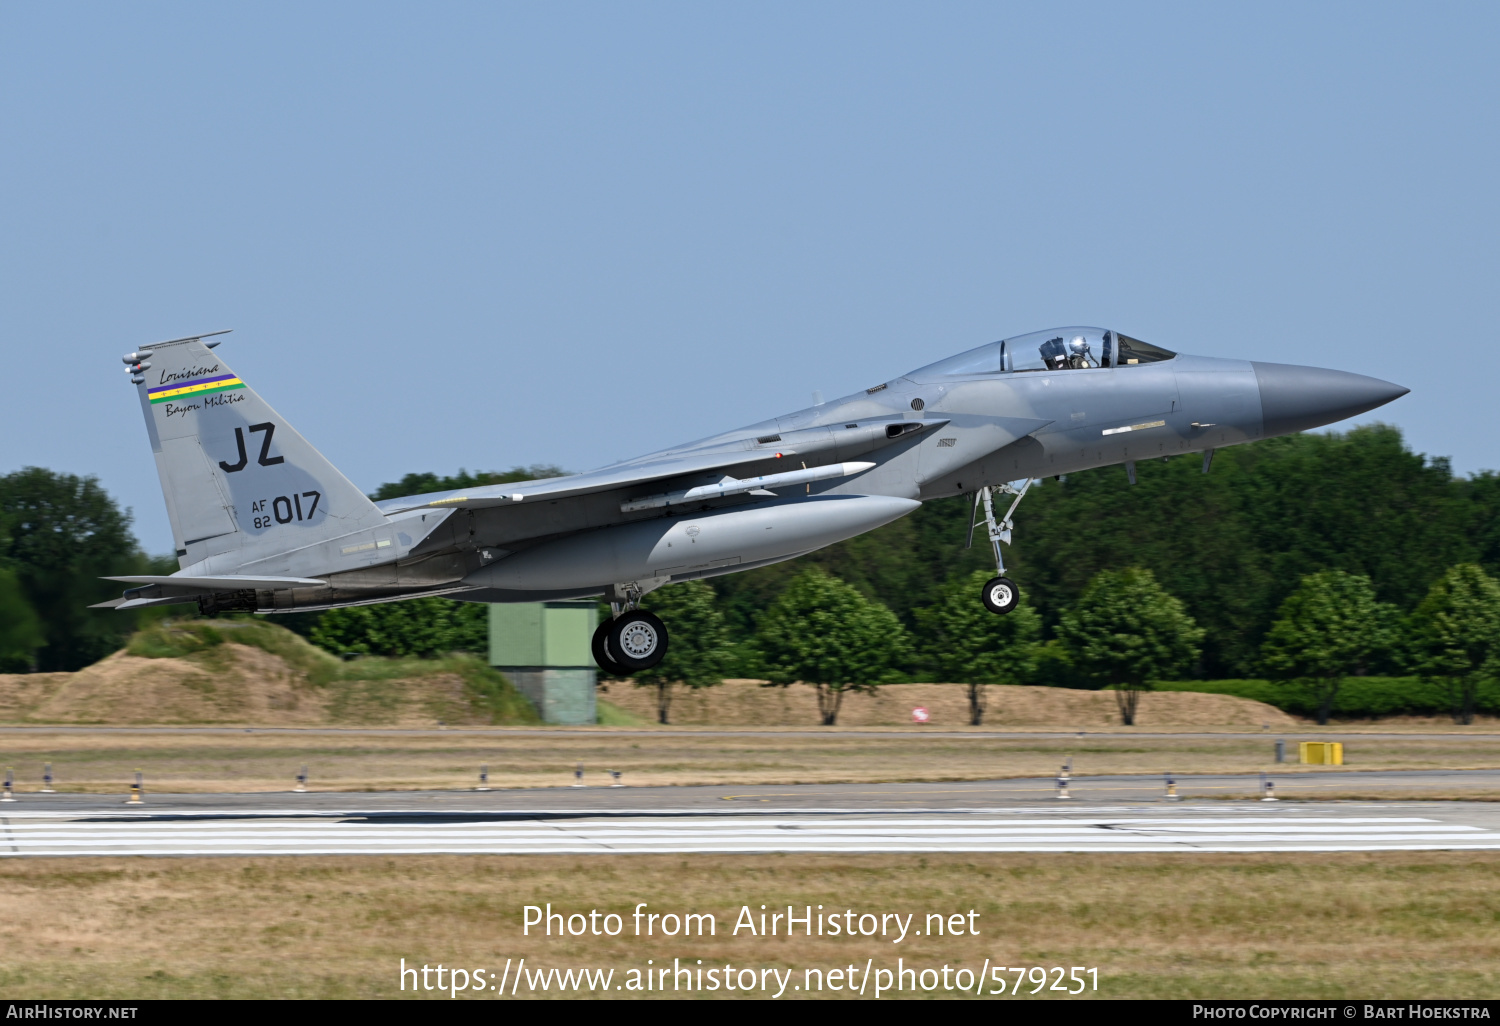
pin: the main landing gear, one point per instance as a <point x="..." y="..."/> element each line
<point x="1000" y="593"/>
<point x="631" y="641"/>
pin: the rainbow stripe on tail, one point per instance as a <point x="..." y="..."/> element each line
<point x="200" y="386"/>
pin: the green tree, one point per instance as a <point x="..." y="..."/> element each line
<point x="821" y="631"/>
<point x="1482" y="493"/>
<point x="63" y="534"/>
<point x="967" y="643"/>
<point x="1126" y="631"/>
<point x="699" y="648"/>
<point x="1232" y="544"/>
<point x="1330" y="628"/>
<point x="414" y="627"/>
<point x="20" y="632"/>
<point x="1454" y="635"/>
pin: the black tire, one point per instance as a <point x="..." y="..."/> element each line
<point x="600" y="648"/>
<point x="1000" y="595"/>
<point x="636" y="640"/>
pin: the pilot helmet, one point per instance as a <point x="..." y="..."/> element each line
<point x="1078" y="347"/>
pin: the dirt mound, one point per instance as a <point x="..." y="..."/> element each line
<point x="241" y="685"/>
<point x="748" y="703"/>
<point x="257" y="674"/>
<point x="254" y="673"/>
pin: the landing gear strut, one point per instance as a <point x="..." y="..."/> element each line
<point x="631" y="641"/>
<point x="1000" y="593"/>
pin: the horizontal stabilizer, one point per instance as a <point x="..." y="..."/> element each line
<point x="125" y="604"/>
<point x="228" y="582"/>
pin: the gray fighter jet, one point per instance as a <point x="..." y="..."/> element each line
<point x="264" y="523"/>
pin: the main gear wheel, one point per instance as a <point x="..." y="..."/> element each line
<point x="600" y="648"/>
<point x="636" y="640"/>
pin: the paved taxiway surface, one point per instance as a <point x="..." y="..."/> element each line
<point x="1298" y="731"/>
<point x="956" y="796"/>
<point x="1108" y="814"/>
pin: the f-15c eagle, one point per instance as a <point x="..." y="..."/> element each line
<point x="264" y="523"/>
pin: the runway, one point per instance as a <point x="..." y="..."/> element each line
<point x="1105" y="814"/>
<point x="1204" y="828"/>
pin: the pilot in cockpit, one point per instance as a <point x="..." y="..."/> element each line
<point x="1073" y="354"/>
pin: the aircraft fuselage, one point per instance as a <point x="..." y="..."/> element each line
<point x="1040" y="405"/>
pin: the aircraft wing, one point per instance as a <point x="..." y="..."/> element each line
<point x="870" y="435"/>
<point x="600" y="480"/>
<point x="664" y="465"/>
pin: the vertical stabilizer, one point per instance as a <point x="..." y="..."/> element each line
<point x="240" y="482"/>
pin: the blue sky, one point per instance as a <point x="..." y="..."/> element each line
<point x="487" y="234"/>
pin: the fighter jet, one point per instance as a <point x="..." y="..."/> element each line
<point x="264" y="523"/>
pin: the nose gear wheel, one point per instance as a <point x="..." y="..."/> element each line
<point x="1000" y="595"/>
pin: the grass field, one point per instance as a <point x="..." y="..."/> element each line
<point x="1387" y="925"/>
<point x="202" y="761"/>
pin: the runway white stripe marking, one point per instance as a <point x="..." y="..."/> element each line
<point x="777" y="842"/>
<point x="954" y="823"/>
<point x="650" y="823"/>
<point x="368" y="833"/>
<point x="1100" y="830"/>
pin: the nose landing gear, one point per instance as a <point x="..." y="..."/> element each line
<point x="1000" y="593"/>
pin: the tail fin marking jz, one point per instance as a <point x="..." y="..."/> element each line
<point x="240" y="483"/>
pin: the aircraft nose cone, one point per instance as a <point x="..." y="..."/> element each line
<point x="1298" y="398"/>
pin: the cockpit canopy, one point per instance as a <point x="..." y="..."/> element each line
<point x="1058" y="349"/>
